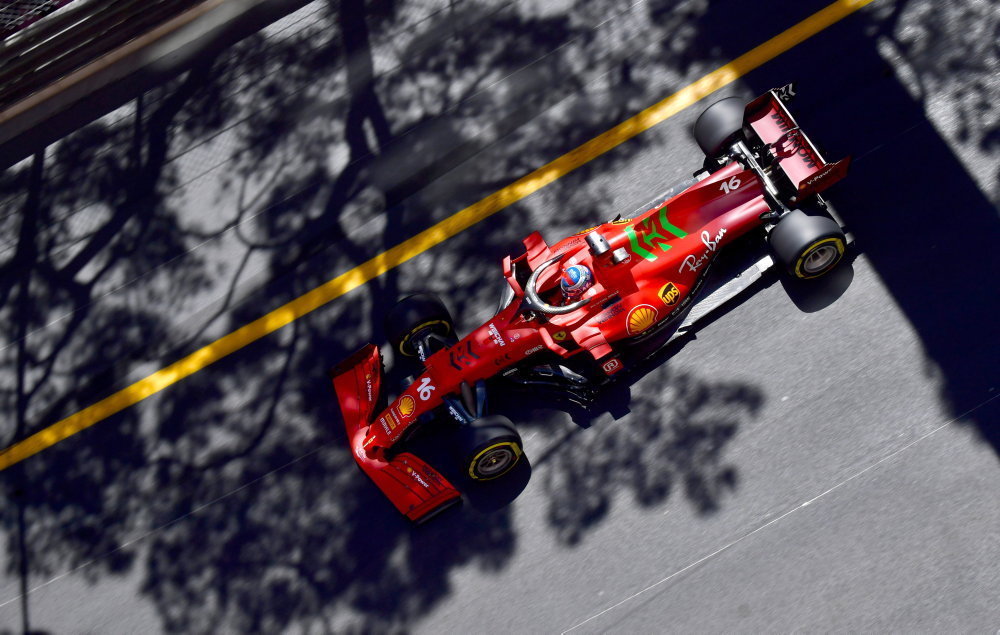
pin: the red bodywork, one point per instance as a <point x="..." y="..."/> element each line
<point x="669" y="249"/>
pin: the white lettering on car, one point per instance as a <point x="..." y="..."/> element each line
<point x="425" y="388"/>
<point x="694" y="263"/>
<point x="495" y="334"/>
<point x="416" y="477"/>
<point x="730" y="185"/>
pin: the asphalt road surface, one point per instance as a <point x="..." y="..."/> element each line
<point x="817" y="458"/>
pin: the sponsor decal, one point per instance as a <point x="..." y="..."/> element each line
<point x="617" y="221"/>
<point x="694" y="263"/>
<point x="515" y="337"/>
<point x="648" y="234"/>
<point x="406" y="406"/>
<point x="416" y="476"/>
<point x="559" y="336"/>
<point x="640" y="318"/>
<point x="611" y="366"/>
<point x="502" y="361"/>
<point x="532" y="351"/>
<point x="454" y="413"/>
<point x="462" y="355"/>
<point x="385" y="426"/>
<point x="798" y="145"/>
<point x="391" y="419"/>
<point x="692" y="294"/>
<point x="610" y="313"/>
<point x="669" y="293"/>
<point x="615" y="299"/>
<point x="786" y="92"/>
<point x="818" y="177"/>
<point x="368" y="386"/>
<point x="495" y="335"/>
<point x="832" y="171"/>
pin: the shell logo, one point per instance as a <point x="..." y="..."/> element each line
<point x="640" y="318"/>
<point x="406" y="406"/>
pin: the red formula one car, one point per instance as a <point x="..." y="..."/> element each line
<point x="577" y="313"/>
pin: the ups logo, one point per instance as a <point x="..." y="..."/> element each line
<point x="669" y="294"/>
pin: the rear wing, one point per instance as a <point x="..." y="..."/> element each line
<point x="797" y="156"/>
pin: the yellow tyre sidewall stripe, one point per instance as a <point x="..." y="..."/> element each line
<point x="838" y="243"/>
<point x="500" y="444"/>
<point x="413" y="332"/>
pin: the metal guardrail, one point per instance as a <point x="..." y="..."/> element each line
<point x="71" y="37"/>
<point x="91" y="56"/>
<point x="18" y="14"/>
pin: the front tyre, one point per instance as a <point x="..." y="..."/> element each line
<point x="416" y="316"/>
<point x="490" y="447"/>
<point x="807" y="246"/>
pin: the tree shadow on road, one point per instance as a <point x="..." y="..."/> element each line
<point x="923" y="206"/>
<point x="942" y="253"/>
<point x="233" y="490"/>
<point x="674" y="439"/>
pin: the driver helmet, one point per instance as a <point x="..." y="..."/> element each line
<point x="575" y="280"/>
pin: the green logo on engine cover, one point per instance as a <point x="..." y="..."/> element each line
<point x="648" y="234"/>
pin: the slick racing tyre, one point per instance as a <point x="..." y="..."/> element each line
<point x="719" y="126"/>
<point x="807" y="246"/>
<point x="490" y="447"/>
<point x="416" y="316"/>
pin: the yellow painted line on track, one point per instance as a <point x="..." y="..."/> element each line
<point x="432" y="236"/>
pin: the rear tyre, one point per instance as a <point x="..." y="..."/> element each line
<point x="719" y="126"/>
<point x="807" y="246"/>
<point x="416" y="316"/>
<point x="490" y="447"/>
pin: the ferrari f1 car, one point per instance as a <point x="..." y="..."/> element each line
<point x="576" y="312"/>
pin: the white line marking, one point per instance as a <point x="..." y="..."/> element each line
<point x="788" y="513"/>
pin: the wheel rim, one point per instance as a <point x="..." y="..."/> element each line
<point x="404" y="344"/>
<point x="495" y="461"/>
<point x="820" y="259"/>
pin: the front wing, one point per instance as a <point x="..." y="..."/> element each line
<point x="415" y="488"/>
